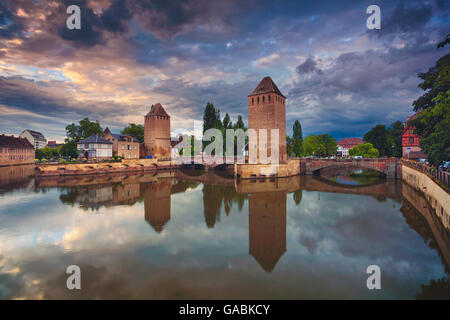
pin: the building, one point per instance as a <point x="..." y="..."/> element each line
<point x="267" y="110"/>
<point x="346" y="144"/>
<point x="36" y="138"/>
<point x="95" y="147"/>
<point x="15" y="150"/>
<point x="157" y="133"/>
<point x="52" y="144"/>
<point x="176" y="150"/>
<point x="124" y="145"/>
<point x="411" y="142"/>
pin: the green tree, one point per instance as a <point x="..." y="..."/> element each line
<point x="297" y="136"/>
<point x="432" y="123"/>
<point x="365" y="150"/>
<point x="381" y="139"/>
<point x="329" y="144"/>
<point x="136" y="130"/>
<point x="395" y="132"/>
<point x="239" y="123"/>
<point x="209" y="117"/>
<point x="39" y="154"/>
<point x="84" y="129"/>
<point x="69" y="149"/>
<point x="289" y="146"/>
<point x="227" y="124"/>
<point x="321" y="145"/>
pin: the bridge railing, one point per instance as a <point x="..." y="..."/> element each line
<point x="442" y="176"/>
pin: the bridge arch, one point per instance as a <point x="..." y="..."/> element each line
<point x="336" y="168"/>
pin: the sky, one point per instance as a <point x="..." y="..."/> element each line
<point x="339" y="77"/>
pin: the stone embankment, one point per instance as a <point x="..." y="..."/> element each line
<point x="141" y="165"/>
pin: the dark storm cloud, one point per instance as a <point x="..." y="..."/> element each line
<point x="308" y="66"/>
<point x="407" y="18"/>
<point x="11" y="26"/>
<point x="339" y="77"/>
<point x="89" y="34"/>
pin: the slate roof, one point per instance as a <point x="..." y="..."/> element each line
<point x="266" y="86"/>
<point x="36" y="134"/>
<point x="14" y="142"/>
<point x="121" y="137"/>
<point x="95" y="138"/>
<point x="157" y="110"/>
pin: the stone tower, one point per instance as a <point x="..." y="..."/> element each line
<point x="157" y="133"/>
<point x="267" y="110"/>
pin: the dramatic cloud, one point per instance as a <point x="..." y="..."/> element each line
<point x="339" y="77"/>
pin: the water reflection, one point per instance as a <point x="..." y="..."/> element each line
<point x="305" y="234"/>
<point x="353" y="177"/>
<point x="267" y="227"/>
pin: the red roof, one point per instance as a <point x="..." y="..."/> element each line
<point x="13" y="142"/>
<point x="157" y="110"/>
<point x="267" y="86"/>
<point x="349" y="143"/>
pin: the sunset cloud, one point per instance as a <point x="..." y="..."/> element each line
<point x="338" y="77"/>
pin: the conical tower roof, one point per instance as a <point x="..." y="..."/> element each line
<point x="266" y="86"/>
<point x="157" y="110"/>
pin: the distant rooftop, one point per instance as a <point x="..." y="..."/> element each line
<point x="95" y="138"/>
<point x="267" y="86"/>
<point x="36" y="134"/>
<point x="349" y="142"/>
<point x="157" y="110"/>
<point x="14" y="142"/>
<point x="119" y="136"/>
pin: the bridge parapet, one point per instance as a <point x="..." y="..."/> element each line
<point x="388" y="166"/>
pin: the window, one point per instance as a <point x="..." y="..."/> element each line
<point x="123" y="147"/>
<point x="264" y="98"/>
<point x="411" y="140"/>
<point x="257" y="100"/>
<point x="0" y="150"/>
<point x="268" y="98"/>
<point x="253" y="100"/>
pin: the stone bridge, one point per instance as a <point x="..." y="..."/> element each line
<point x="388" y="166"/>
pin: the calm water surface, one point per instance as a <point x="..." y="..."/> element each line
<point x="189" y="236"/>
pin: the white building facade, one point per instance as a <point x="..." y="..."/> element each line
<point x="95" y="147"/>
<point x="36" y="138"/>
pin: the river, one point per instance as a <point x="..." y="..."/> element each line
<point x="185" y="235"/>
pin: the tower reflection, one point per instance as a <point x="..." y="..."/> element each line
<point x="267" y="227"/>
<point x="157" y="199"/>
<point x="267" y="217"/>
<point x="157" y="203"/>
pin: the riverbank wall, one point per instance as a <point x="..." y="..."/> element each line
<point x="141" y="165"/>
<point x="437" y="197"/>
